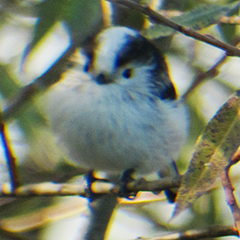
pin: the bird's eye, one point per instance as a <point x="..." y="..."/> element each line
<point x="127" y="73"/>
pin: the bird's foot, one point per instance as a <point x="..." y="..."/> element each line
<point x="124" y="192"/>
<point x="90" y="179"/>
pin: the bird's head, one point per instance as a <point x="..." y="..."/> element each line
<point x="122" y="56"/>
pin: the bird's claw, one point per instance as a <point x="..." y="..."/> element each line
<point x="124" y="191"/>
<point x="89" y="180"/>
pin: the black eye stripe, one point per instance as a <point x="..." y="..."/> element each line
<point x="127" y="73"/>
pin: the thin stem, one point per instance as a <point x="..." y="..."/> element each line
<point x="10" y="158"/>
<point x="58" y="189"/>
<point x="213" y="232"/>
<point x="210" y="73"/>
<point x="229" y="190"/>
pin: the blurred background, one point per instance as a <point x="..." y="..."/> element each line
<point x="34" y="34"/>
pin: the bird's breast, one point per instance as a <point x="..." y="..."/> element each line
<point x="115" y="131"/>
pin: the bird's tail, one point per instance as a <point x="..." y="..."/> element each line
<point x="171" y="171"/>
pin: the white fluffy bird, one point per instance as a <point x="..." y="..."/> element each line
<point x="125" y="115"/>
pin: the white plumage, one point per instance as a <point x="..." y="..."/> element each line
<point x="122" y="123"/>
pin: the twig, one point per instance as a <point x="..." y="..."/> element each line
<point x="98" y="187"/>
<point x="158" y="185"/>
<point x="217" y="231"/>
<point x="158" y="18"/>
<point x="102" y="207"/>
<point x="235" y="20"/>
<point x="231" y="198"/>
<point x="229" y="189"/>
<point x="210" y="73"/>
<point x="11" y="160"/>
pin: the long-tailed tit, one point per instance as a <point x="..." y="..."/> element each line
<point x="125" y="115"/>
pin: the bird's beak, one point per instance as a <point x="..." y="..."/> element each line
<point x="102" y="78"/>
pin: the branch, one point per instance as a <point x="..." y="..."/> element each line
<point x="217" y="231"/>
<point x="160" y="19"/>
<point x="104" y="203"/>
<point x="210" y="73"/>
<point x="10" y="159"/>
<point x="229" y="189"/>
<point x="98" y="187"/>
<point x="234" y="20"/>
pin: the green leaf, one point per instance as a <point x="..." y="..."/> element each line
<point x="49" y="12"/>
<point x="83" y="16"/>
<point x="80" y="16"/>
<point x="228" y="31"/>
<point x="8" y="86"/>
<point x="196" y="19"/>
<point x="28" y="118"/>
<point x="214" y="150"/>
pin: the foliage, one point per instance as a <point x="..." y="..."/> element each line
<point x="28" y="27"/>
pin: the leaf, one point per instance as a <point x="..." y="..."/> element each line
<point x="197" y="19"/>
<point x="230" y="31"/>
<point x="28" y="118"/>
<point x="79" y="15"/>
<point x="49" y="12"/>
<point x="81" y="18"/>
<point x="214" y="150"/>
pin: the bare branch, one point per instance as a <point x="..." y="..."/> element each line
<point x="235" y="20"/>
<point x="98" y="187"/>
<point x="160" y="19"/>
<point x="229" y="189"/>
<point x="10" y="158"/>
<point x="102" y="206"/>
<point x="217" y="231"/>
<point x="210" y="73"/>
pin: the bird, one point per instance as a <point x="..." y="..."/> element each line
<point x="125" y="114"/>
